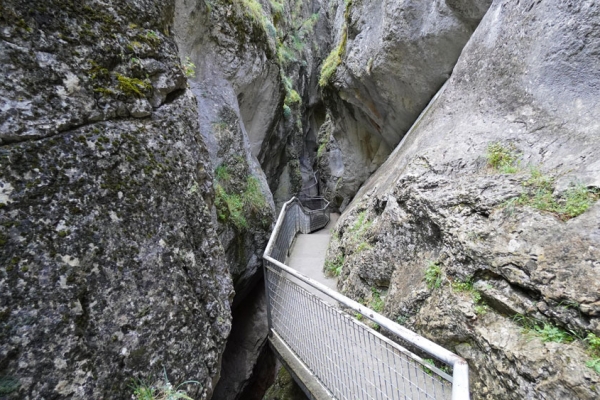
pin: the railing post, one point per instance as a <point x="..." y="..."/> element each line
<point x="267" y="295"/>
<point x="460" y="381"/>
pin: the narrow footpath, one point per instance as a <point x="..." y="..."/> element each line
<point x="307" y="255"/>
<point x="346" y="357"/>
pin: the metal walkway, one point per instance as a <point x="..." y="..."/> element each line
<point x="330" y="353"/>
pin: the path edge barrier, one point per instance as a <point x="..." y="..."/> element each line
<point x="460" y="376"/>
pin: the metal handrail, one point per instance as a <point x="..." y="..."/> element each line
<point x="460" y="377"/>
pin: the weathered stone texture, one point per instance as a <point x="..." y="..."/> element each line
<point x="397" y="56"/>
<point x="240" y="94"/>
<point x="110" y="267"/>
<point x="528" y="79"/>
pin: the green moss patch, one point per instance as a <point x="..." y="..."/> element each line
<point x="237" y="207"/>
<point x="334" y="59"/>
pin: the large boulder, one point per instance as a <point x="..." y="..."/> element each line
<point x="482" y="230"/>
<point x="111" y="271"/>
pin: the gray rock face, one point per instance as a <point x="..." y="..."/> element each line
<point x="226" y="45"/>
<point x="288" y="156"/>
<point x="110" y="266"/>
<point x="398" y="54"/>
<point x="528" y="82"/>
<point x="240" y="94"/>
<point x="230" y="65"/>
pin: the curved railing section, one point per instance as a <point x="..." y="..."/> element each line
<point x="348" y="358"/>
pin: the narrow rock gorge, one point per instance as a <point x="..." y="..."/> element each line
<point x="146" y="147"/>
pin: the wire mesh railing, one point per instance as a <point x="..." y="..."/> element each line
<point x="351" y="360"/>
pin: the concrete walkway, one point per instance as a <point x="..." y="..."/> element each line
<point x="307" y="255"/>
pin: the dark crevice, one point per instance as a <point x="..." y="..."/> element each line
<point x="248" y="365"/>
<point x="174" y="95"/>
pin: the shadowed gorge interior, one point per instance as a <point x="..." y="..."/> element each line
<point x="147" y="148"/>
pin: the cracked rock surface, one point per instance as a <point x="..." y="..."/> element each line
<point x="528" y="79"/>
<point x="110" y="265"/>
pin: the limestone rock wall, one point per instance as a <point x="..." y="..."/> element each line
<point x="479" y="255"/>
<point x="394" y="56"/>
<point x="241" y="92"/>
<point x="231" y="58"/>
<point x="110" y="266"/>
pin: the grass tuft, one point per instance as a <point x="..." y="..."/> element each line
<point x="433" y="275"/>
<point x="166" y="391"/>
<point x="466" y="286"/>
<point x="189" y="68"/>
<point x="502" y="159"/>
<point x="237" y="207"/>
<point x="376" y="303"/>
<point x="593" y="342"/>
<point x="540" y="195"/>
<point x="334" y="267"/>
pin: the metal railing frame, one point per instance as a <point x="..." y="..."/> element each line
<point x="460" y="376"/>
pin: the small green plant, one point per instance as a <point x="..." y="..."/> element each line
<point x="222" y="173"/>
<point x="287" y="111"/>
<point x="543" y="330"/>
<point x="254" y="10"/>
<point x="333" y="60"/>
<point x="277" y="8"/>
<point x="463" y="286"/>
<point x="361" y="225"/>
<point x="433" y="275"/>
<point x="593" y="342"/>
<point x="577" y="200"/>
<point x="481" y="308"/>
<point x="594" y="364"/>
<point x="291" y="97"/>
<point x="430" y="362"/>
<point x="230" y="207"/>
<point x="189" y="68"/>
<point x="133" y="86"/>
<point x="144" y="391"/>
<point x="321" y="150"/>
<point x="551" y="333"/>
<point x="237" y="207"/>
<point x="253" y="198"/>
<point x="573" y="202"/>
<point x="401" y="319"/>
<point x="152" y="35"/>
<point x="527" y="323"/>
<point x="502" y="159"/>
<point x="334" y="267"/>
<point x="376" y="303"/>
